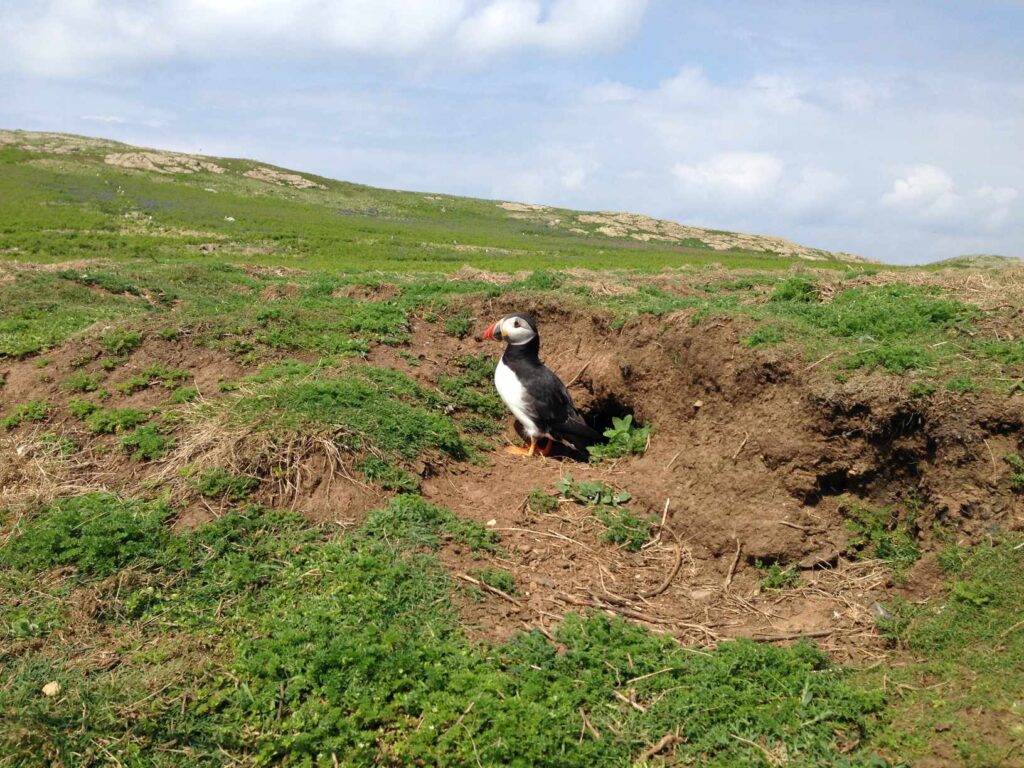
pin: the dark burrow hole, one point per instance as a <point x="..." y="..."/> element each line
<point x="832" y="483"/>
<point x="601" y="412"/>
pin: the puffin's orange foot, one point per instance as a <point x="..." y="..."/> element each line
<point x="548" y="446"/>
<point x="529" y="450"/>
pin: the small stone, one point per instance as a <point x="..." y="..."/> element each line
<point x="698" y="404"/>
<point x="51" y="689"/>
<point x="491" y="523"/>
<point x="881" y="612"/>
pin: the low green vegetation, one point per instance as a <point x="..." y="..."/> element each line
<point x="473" y="389"/>
<point x="119" y="342"/>
<point x="146" y="443"/>
<point x="459" y="324"/>
<point x="32" y="411"/>
<point x="1016" y="471"/>
<point x="259" y="638"/>
<point x="499" y="579"/>
<point x="621" y="525"/>
<point x="777" y="576"/>
<point x="80" y="381"/>
<point x="153" y="374"/>
<point x="541" y="503"/>
<point x="623" y="438"/>
<point x="885" y="534"/>
<point x="411" y="521"/>
<point x="111" y="421"/>
<point x="363" y="409"/>
<point x="219" y="483"/>
<point x="97" y="534"/>
<point x="960" y="699"/>
<point x="387" y="475"/>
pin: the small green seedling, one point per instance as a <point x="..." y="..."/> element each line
<point x="592" y="492"/>
<point x="622" y="526"/>
<point x="623" y="438"/>
<point x="776" y="576"/>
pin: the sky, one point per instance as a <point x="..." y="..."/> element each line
<point x="892" y="129"/>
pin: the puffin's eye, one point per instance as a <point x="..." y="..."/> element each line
<point x="515" y="324"/>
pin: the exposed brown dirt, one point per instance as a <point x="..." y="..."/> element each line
<point x="753" y="457"/>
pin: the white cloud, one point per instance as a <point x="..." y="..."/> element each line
<point x="749" y="175"/>
<point x="929" y="194"/>
<point x="73" y="38"/>
<point x="570" y="26"/>
<point x="113" y="119"/>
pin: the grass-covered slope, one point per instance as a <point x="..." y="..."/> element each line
<point x="263" y="639"/>
<point x="253" y="509"/>
<point x="66" y="197"/>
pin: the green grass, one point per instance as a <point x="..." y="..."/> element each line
<point x="97" y="534"/>
<point x="114" y="420"/>
<point x="1016" y="471"/>
<point x="220" y="484"/>
<point x="80" y="381"/>
<point x="777" y="576"/>
<point x="31" y="411"/>
<point x="960" y="699"/>
<point x="892" y="327"/>
<point x="146" y="443"/>
<point x="410" y="521"/>
<point x="498" y="578"/>
<point x="119" y="342"/>
<point x="887" y="534"/>
<point x="261" y="639"/>
<point x="40" y="310"/>
<point x="76" y="206"/>
<point x="368" y="409"/>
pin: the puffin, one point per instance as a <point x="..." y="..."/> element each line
<point x="535" y="395"/>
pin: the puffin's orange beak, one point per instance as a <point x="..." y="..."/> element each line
<point x="493" y="332"/>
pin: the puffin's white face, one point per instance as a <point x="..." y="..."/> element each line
<point x="515" y="329"/>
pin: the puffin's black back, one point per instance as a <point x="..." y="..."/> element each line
<point x="549" y="400"/>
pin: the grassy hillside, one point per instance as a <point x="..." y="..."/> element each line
<point x="69" y="197"/>
<point x="255" y="508"/>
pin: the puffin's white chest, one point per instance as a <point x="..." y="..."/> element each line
<point x="513" y="394"/>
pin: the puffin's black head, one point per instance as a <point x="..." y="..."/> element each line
<point x="517" y="328"/>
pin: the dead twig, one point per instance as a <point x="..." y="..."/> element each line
<point x="768" y="756"/>
<point x="579" y="373"/>
<point x="732" y="568"/>
<point x="488" y="588"/>
<point x="669" y="465"/>
<point x="672" y="573"/>
<point x="550" y="535"/>
<point x="661" y="527"/>
<point x="627" y="700"/>
<point x="819" y="362"/>
<point x="791" y="636"/>
<point x="666" y="741"/>
<point x="746" y="436"/>
<point x="606" y="605"/>
<point x="651" y="674"/>
<point x="798" y="527"/>
<point x="992" y="456"/>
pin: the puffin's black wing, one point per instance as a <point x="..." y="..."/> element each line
<point x="556" y="412"/>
